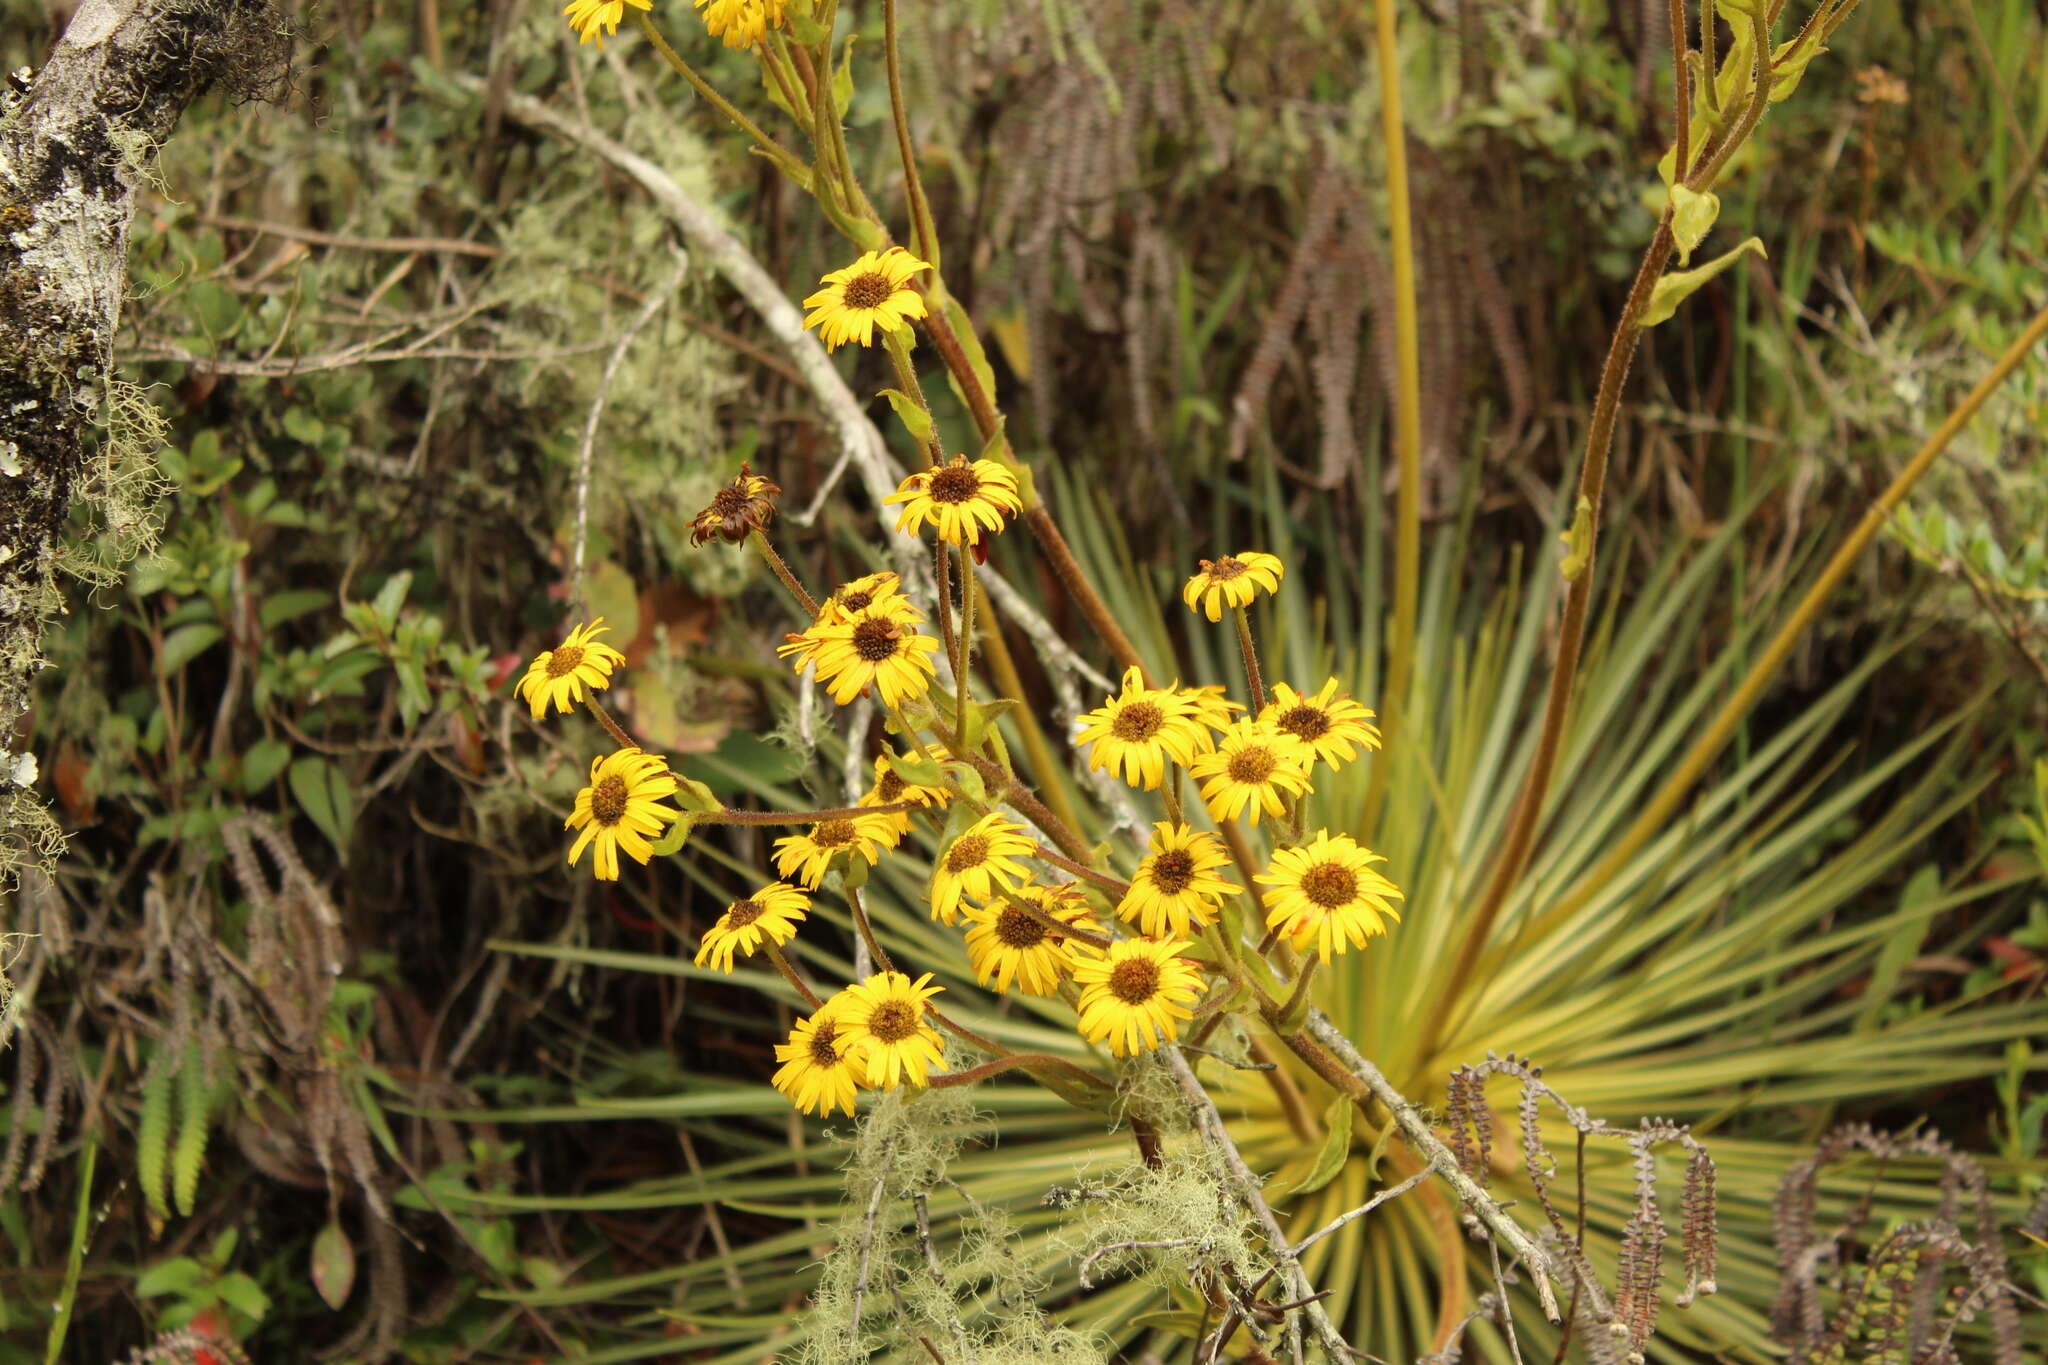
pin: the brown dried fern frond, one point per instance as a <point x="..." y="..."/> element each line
<point x="1887" y="1302"/>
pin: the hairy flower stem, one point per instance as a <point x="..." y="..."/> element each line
<point x="1016" y="793"/>
<point x="774" y="561"/>
<point x="729" y="816"/>
<point x="1750" y="690"/>
<point x="1521" y="833"/>
<point x="1029" y="1061"/>
<point x="1407" y="406"/>
<point x="1115" y="886"/>
<point x="1058" y="928"/>
<point x="604" y="718"/>
<point x="1254" y="679"/>
<point x="995" y="649"/>
<point x="923" y="233"/>
<point x="965" y="662"/>
<point x="775" y="151"/>
<point x="867" y="931"/>
<point x="789" y="973"/>
<point x="896" y="342"/>
<point x="1082" y="591"/>
<point x="775" y="61"/>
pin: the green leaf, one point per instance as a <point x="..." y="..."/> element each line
<point x="178" y="1275"/>
<point x="1692" y="217"/>
<point x="262" y="763"/>
<point x="692" y="795"/>
<point x="673" y="838"/>
<point x="323" y="792"/>
<point x="915" y="419"/>
<point x="1676" y="288"/>
<point x="391" y="597"/>
<point x="190" y="1153"/>
<point x="281" y="607"/>
<point x="240" y="1292"/>
<point x="842" y="79"/>
<point x="153" y="1139"/>
<point x="1788" y="67"/>
<point x="333" y="1265"/>
<point x="1578" y="540"/>
<point x="1336" y="1148"/>
<point x="185" y="644"/>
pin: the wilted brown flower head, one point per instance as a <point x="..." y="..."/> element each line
<point x="745" y="505"/>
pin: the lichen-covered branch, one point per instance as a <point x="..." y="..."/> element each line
<point x="70" y="159"/>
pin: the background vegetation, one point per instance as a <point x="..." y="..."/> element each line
<point x="318" y="1042"/>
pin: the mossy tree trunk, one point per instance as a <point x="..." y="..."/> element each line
<point x="70" y="158"/>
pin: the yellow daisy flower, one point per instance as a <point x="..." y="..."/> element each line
<point x="872" y="292"/>
<point x="620" y="808"/>
<point x="1328" y="890"/>
<point x="1176" y="884"/>
<point x="771" y="913"/>
<point x="1329" y="724"/>
<point x="977" y="862"/>
<point x="804" y="858"/>
<point x="1134" y="995"/>
<point x="1210" y="706"/>
<point x="962" y="500"/>
<point x="876" y="593"/>
<point x="1250" y="768"/>
<point x="595" y="18"/>
<point x="1008" y="943"/>
<point x="887" y="1013"/>
<point x="872" y="646"/>
<point x="823" y="1064"/>
<point x="890" y="788"/>
<point x="560" y="675"/>
<point x="1134" y="733"/>
<point x="739" y="509"/>
<point x="1232" y="581"/>
<point x="741" y="23"/>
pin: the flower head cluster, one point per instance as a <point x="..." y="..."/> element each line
<point x="770" y="914"/>
<point x="875" y="644"/>
<point x="1232" y="581"/>
<point x="739" y="509"/>
<point x="1016" y="939"/>
<point x="960" y="500"/>
<point x="741" y="23"/>
<point x="806" y="857"/>
<point x="621" y="808"/>
<point x="981" y="860"/>
<point x="562" y="676"/>
<point x="1135" y="994"/>
<point x="1176" y="883"/>
<point x="1135" y="733"/>
<point x="1328" y="894"/>
<point x="593" y="19"/>
<point x="872" y="292"/>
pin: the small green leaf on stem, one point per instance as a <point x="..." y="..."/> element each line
<point x="915" y="419"/>
<point x="1692" y="217"/>
<point x="1336" y="1148"/>
<point x="1676" y="288"/>
<point x="334" y="1265"/>
<point x="1578" y="541"/>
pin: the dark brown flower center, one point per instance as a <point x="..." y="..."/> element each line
<point x="1134" y="980"/>
<point x="871" y="290"/>
<point x="1252" y="766"/>
<point x="1224" y="569"/>
<point x="875" y="641"/>
<point x="1173" y="870"/>
<point x="832" y="833"/>
<point x="889" y="787"/>
<point x="608" y="801"/>
<point x="823" y="1050"/>
<point x="893" y="1021"/>
<point x="560" y="661"/>
<point x="1018" y="928"/>
<point x="856" y="601"/>
<point x="954" y="483"/>
<point x="1330" y="885"/>
<point x="740" y="914"/>
<point x="1137" y="722"/>
<point x="967" y="853"/>
<point x="1309" y="722"/>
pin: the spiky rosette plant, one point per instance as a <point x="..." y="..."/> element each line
<point x="1230" y="997"/>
